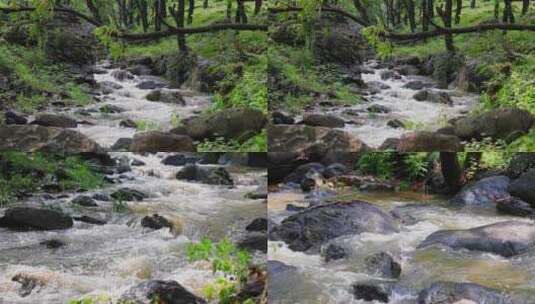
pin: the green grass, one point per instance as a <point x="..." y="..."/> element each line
<point x="29" y="171"/>
<point x="147" y="125"/>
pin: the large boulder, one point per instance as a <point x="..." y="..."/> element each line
<point x="14" y="118"/>
<point x="71" y="40"/>
<point x="23" y="218"/>
<point x="128" y="194"/>
<point x="55" y="120"/>
<point x="383" y="264"/>
<point x="524" y="187"/>
<point x="173" y="97"/>
<point x="451" y="293"/>
<point x="302" y="138"/>
<point x="156" y="222"/>
<point x="503" y="123"/>
<point x="516" y="207"/>
<point x="205" y="175"/>
<point x="483" y="193"/>
<point x="422" y="141"/>
<point x="34" y="138"/>
<point x="254" y="242"/>
<point x="315" y="226"/>
<point x="432" y="96"/>
<point x="302" y="171"/>
<point x="322" y="120"/>
<point x="373" y="290"/>
<point x="169" y="292"/>
<point x="229" y="124"/>
<point x="155" y="141"/>
<point x="505" y="238"/>
<point x="335" y="46"/>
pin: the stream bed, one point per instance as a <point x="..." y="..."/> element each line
<point x="109" y="259"/>
<point x="310" y="280"/>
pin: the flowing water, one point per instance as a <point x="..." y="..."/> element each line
<point x="104" y="127"/>
<point x="316" y="281"/>
<point x="108" y="259"/>
<point x="373" y="129"/>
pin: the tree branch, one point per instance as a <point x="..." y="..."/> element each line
<point x="323" y="9"/>
<point x="460" y="30"/>
<point x="89" y="19"/>
<point x="192" y="30"/>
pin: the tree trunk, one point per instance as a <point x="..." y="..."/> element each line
<point x="191" y="9"/>
<point x="93" y="9"/>
<point x="508" y="16"/>
<point x="458" y="11"/>
<point x="473" y="4"/>
<point x="425" y="16"/>
<point x="158" y="15"/>
<point x="181" y="38"/>
<point x="362" y="10"/>
<point x="241" y="16"/>
<point x="257" y="7"/>
<point x="525" y="7"/>
<point x="445" y="14"/>
<point x="411" y="14"/>
<point x="431" y="7"/>
<point x="205" y="4"/>
<point x="452" y="171"/>
<point x="229" y="9"/>
<point x="143" y="13"/>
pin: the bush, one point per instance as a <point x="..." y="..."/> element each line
<point x="379" y="164"/>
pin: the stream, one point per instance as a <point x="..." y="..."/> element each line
<point x="373" y="129"/>
<point x="131" y="101"/>
<point x="109" y="259"/>
<point x="316" y="281"/>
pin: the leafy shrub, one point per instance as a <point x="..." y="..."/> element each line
<point x="379" y="164"/>
<point x="416" y="165"/>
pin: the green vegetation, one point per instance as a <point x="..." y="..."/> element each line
<point x="35" y="77"/>
<point x="257" y="143"/>
<point x="227" y="259"/>
<point x="27" y="172"/>
<point x="380" y="165"/>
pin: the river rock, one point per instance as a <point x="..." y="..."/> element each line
<point x="205" y="175"/>
<point x="417" y="85"/>
<point x="305" y="139"/>
<point x="228" y="124"/>
<point x="54" y="120"/>
<point x="323" y="120"/>
<point x="317" y="225"/>
<point x="524" y="187"/>
<point x="297" y="175"/>
<point x="515" y="206"/>
<point x="24" y="218"/>
<point x="34" y="138"/>
<point x="254" y="242"/>
<point x="378" y="109"/>
<point x="173" y="97"/>
<point x="376" y="87"/>
<point x="84" y="200"/>
<point x="436" y="97"/>
<point x="281" y="118"/>
<point x="89" y="220"/>
<point x="155" y="222"/>
<point x="156" y="141"/>
<point x="52" y="243"/>
<point x="335" y="170"/>
<point x="505" y="238"/>
<point x="258" y="224"/>
<point x="122" y="144"/>
<point x="383" y="264"/>
<point x="150" y="85"/>
<point x="451" y="293"/>
<point x="128" y="194"/>
<point x="111" y="109"/>
<point x="373" y="291"/>
<point x="389" y="74"/>
<point x="169" y="292"/>
<point x="12" y="117"/>
<point x="338" y="46"/>
<point x="485" y="192"/>
<point x="128" y="123"/>
<point x="179" y="160"/>
<point x="422" y="141"/>
<point x="122" y="75"/>
<point x="395" y="123"/>
<point x="389" y="144"/>
<point x="261" y="192"/>
<point x="334" y="252"/>
<point x="497" y="124"/>
<point x="107" y="87"/>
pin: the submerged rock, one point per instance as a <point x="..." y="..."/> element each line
<point x="12" y="117"/>
<point x="515" y="206"/>
<point x="25" y="218"/>
<point x="122" y="144"/>
<point x="334" y="252"/>
<point x="52" y="244"/>
<point x="281" y="118"/>
<point x="169" y="292"/>
<point x="505" y="238"/>
<point x="255" y="241"/>
<point x="150" y="85"/>
<point x="258" y="224"/>
<point x="122" y="75"/>
<point x="484" y="193"/>
<point x="89" y="220"/>
<point x="373" y="291"/>
<point x="452" y="292"/>
<point x="179" y="160"/>
<point x="173" y="97"/>
<point x="206" y="175"/>
<point x="314" y="226"/>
